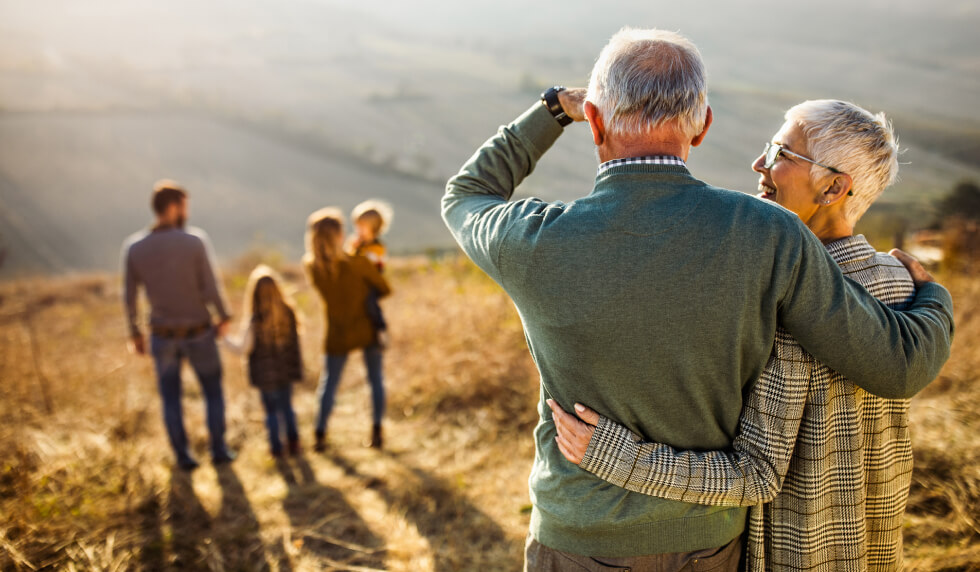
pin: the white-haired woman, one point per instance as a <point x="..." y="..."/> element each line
<point x="825" y="465"/>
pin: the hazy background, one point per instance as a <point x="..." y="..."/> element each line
<point x="267" y="109"/>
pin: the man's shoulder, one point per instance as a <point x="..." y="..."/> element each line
<point x="191" y="238"/>
<point x="195" y="234"/>
<point x="135" y="238"/>
<point x="750" y="202"/>
<point x="748" y="210"/>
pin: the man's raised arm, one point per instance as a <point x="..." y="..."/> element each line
<point x="475" y="205"/>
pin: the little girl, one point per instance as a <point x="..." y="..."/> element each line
<point x="270" y="342"/>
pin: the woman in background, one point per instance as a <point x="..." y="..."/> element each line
<point x="344" y="283"/>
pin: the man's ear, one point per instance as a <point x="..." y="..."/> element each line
<point x="595" y="122"/>
<point x="840" y="186"/>
<point x="708" y="118"/>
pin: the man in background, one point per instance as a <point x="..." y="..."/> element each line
<point x="173" y="265"/>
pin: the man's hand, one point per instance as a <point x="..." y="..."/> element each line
<point x="572" y="100"/>
<point x="137" y="345"/>
<point x="222" y="327"/>
<point x="573" y="435"/>
<point x="919" y="274"/>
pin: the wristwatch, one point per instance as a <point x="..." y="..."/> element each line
<point x="550" y="100"/>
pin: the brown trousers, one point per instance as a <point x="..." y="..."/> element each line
<point x="540" y="558"/>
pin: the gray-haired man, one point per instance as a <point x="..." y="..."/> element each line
<point x="656" y="298"/>
<point x="174" y="266"/>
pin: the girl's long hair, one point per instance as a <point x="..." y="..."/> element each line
<point x="268" y="309"/>
<point x="324" y="239"/>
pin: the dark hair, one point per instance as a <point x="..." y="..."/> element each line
<point x="166" y="193"/>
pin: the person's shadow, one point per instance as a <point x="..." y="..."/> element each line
<point x="323" y="522"/>
<point x="178" y="533"/>
<point x="152" y="552"/>
<point x="237" y="533"/>
<point x="189" y="524"/>
<point x="461" y="536"/>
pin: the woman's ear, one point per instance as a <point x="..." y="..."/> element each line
<point x="595" y="122"/>
<point x="840" y="186"/>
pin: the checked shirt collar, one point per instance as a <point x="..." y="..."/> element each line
<point x="648" y="160"/>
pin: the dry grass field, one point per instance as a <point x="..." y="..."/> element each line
<point x="86" y="479"/>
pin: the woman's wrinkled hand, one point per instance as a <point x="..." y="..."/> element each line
<point x="573" y="435"/>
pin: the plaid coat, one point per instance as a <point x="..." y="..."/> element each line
<point x="825" y="466"/>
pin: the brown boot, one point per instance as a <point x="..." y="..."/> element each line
<point x="377" y="440"/>
<point x="321" y="443"/>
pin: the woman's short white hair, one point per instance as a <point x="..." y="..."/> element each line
<point x="644" y="78"/>
<point x="852" y="140"/>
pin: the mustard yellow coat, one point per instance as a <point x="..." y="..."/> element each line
<point x="344" y="293"/>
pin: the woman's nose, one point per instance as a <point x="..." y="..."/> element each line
<point x="759" y="165"/>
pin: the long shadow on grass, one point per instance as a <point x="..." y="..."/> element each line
<point x="324" y="524"/>
<point x="152" y="547"/>
<point x="189" y="522"/>
<point x="237" y="531"/>
<point x="459" y="534"/>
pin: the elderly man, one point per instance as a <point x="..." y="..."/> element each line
<point x="174" y="266"/>
<point x="656" y="299"/>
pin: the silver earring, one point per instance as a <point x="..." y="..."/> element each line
<point x="827" y="202"/>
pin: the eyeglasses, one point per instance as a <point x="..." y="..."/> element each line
<point x="772" y="150"/>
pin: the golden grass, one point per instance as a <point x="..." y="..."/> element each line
<point x="86" y="481"/>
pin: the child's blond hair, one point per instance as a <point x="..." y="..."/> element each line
<point x="377" y="212"/>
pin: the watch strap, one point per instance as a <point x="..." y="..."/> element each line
<point x="550" y="100"/>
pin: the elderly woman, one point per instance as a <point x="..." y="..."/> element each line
<point x="344" y="283"/>
<point x="825" y="465"/>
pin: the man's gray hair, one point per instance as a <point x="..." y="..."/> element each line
<point x="852" y="140"/>
<point x="644" y="78"/>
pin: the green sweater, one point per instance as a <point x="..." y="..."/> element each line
<point x="655" y="300"/>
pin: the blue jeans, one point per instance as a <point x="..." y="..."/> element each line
<point x="202" y="353"/>
<point x="278" y="403"/>
<point x="333" y="367"/>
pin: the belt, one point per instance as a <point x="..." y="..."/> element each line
<point x="180" y="332"/>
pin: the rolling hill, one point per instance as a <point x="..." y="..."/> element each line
<point x="268" y="110"/>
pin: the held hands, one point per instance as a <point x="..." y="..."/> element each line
<point x="572" y="100"/>
<point x="573" y="435"/>
<point x="137" y="345"/>
<point x="222" y="328"/>
<point x="919" y="274"/>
